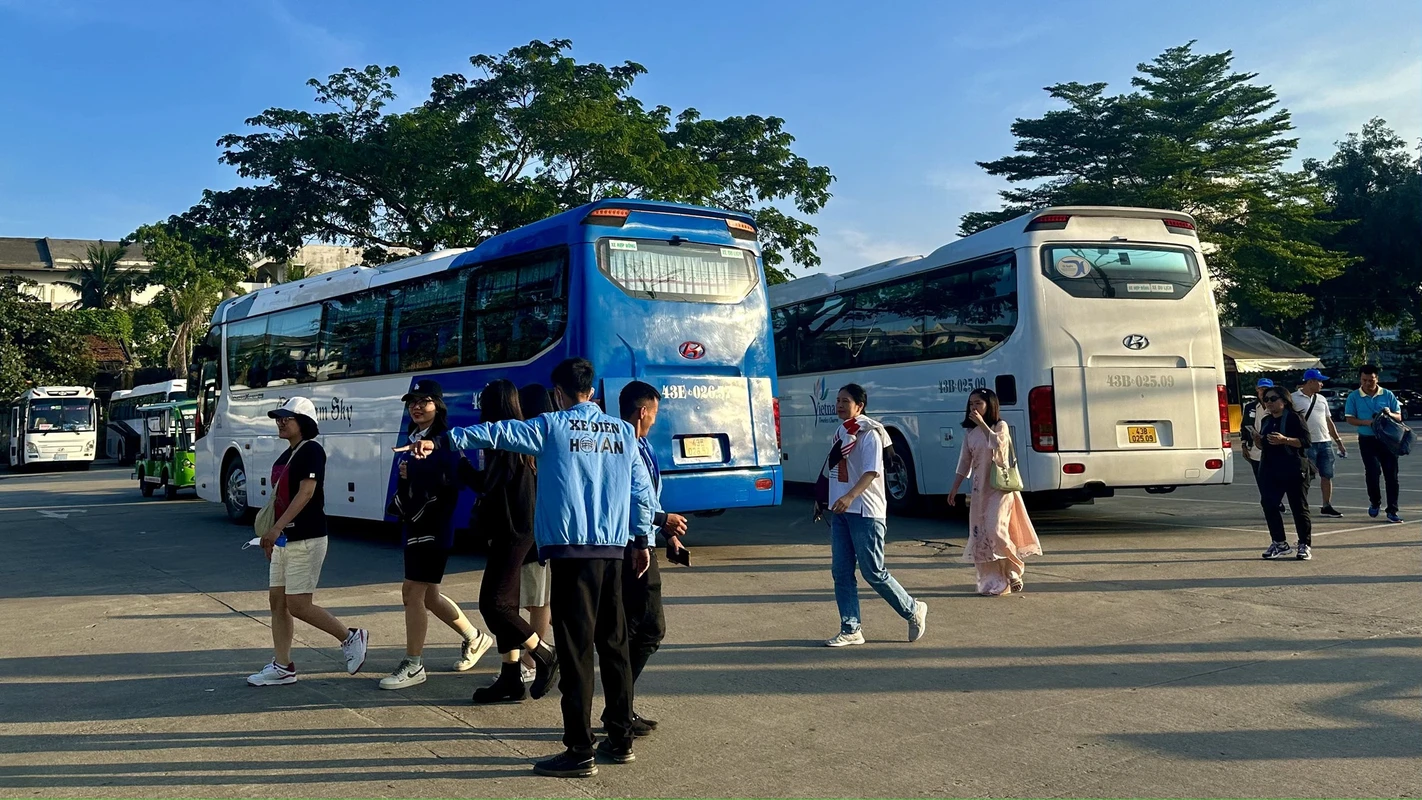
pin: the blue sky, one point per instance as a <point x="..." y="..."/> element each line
<point x="111" y="110"/>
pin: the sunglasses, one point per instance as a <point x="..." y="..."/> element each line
<point x="420" y="401"/>
<point x="1273" y="398"/>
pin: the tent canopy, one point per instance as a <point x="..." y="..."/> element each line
<point x="1254" y="350"/>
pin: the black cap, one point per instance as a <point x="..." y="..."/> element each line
<point x="424" y="387"/>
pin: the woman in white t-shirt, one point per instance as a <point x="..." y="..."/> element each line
<point x="859" y="520"/>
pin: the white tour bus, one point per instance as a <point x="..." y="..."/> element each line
<point x="123" y="429"/>
<point x="51" y="425"/>
<point x="1096" y="327"/>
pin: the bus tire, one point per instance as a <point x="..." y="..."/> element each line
<point x="234" y="491"/>
<point x="170" y="491"/>
<point x="144" y="486"/>
<point x="900" y="480"/>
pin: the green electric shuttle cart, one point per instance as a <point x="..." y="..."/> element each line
<point x="165" y="458"/>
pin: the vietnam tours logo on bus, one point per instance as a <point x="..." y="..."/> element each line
<point x="824" y="411"/>
<point x="1073" y="267"/>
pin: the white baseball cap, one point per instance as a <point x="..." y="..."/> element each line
<point x="295" y="407"/>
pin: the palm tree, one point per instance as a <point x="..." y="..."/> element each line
<point x="191" y="306"/>
<point x="99" y="280"/>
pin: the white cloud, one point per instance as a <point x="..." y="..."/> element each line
<point x="1333" y="93"/>
<point x="317" y="40"/>
<point x="845" y="248"/>
<point x="968" y="187"/>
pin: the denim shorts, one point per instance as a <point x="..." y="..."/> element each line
<point x="1321" y="454"/>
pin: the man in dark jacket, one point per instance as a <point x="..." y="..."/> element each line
<point x="642" y="594"/>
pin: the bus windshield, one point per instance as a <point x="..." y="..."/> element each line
<point x="70" y="414"/>
<point x="678" y="270"/>
<point x="1135" y="273"/>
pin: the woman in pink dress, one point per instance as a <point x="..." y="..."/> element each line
<point x="1000" y="534"/>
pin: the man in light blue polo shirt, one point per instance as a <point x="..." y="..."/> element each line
<point x="1364" y="404"/>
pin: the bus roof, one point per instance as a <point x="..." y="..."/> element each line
<point x="1003" y="236"/>
<point x="56" y="391"/>
<point x="175" y="385"/>
<point x="184" y="405"/>
<point x="555" y="230"/>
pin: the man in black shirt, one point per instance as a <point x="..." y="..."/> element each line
<point x="295" y="544"/>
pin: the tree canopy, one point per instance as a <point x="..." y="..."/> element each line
<point x="532" y="134"/>
<point x="1193" y="136"/>
<point x="39" y="346"/>
<point x="100" y="280"/>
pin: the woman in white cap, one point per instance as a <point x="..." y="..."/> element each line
<point x="296" y="546"/>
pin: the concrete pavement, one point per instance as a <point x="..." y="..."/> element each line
<point x="1153" y="654"/>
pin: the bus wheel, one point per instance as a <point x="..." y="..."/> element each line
<point x="234" y="492"/>
<point x="144" y="486"/>
<point x="900" y="482"/>
<point x="170" y="490"/>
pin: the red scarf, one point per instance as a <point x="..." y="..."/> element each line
<point x="846" y="446"/>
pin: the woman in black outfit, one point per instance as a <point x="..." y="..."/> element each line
<point x="506" y="489"/>
<point x="1283" y="439"/>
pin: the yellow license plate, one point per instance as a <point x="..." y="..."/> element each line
<point x="1142" y="434"/>
<point x="701" y="447"/>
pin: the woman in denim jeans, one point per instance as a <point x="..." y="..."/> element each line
<point x="858" y="521"/>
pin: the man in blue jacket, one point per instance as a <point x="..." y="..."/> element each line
<point x="638" y="404"/>
<point x="588" y="465"/>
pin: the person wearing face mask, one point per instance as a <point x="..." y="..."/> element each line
<point x="859" y="520"/>
<point x="1284" y="438"/>
<point x="296" y="546"/>
<point x="425" y="498"/>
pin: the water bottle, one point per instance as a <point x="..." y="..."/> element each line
<point x="281" y="540"/>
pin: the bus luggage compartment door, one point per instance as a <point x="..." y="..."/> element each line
<point x="1136" y="408"/>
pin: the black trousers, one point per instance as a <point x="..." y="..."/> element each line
<point x="642" y="599"/>
<point x="1378" y="461"/>
<point x="1272" y="490"/>
<point x="498" y="593"/>
<point x="586" y="599"/>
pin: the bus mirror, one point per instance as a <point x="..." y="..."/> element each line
<point x="205" y="352"/>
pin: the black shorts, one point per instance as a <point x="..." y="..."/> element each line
<point x="425" y="562"/>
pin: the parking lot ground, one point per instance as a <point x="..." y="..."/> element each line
<point x="1154" y="654"/>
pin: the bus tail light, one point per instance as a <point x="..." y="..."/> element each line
<point x="775" y="403"/>
<point x="1048" y="222"/>
<point x="1224" y="417"/>
<point x="1179" y="226"/>
<point x="614" y="217"/>
<point x="1042" y="419"/>
<point x="741" y="230"/>
<point x="1214" y="463"/>
<point x="764" y="484"/>
<point x="1074" y="469"/>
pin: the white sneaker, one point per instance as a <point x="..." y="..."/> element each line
<point x="272" y="674"/>
<point x="846" y="639"/>
<point x="918" y="623"/>
<point x="404" y="676"/>
<point x="526" y="673"/>
<point x="354" y="647"/>
<point x="470" y="651"/>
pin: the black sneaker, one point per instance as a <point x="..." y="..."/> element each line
<point x="1304" y="552"/>
<point x="1330" y="511"/>
<point x="568" y="764"/>
<point x="1277" y="549"/>
<point x="616" y="753"/>
<point x="545" y="675"/>
<point x="641" y="726"/>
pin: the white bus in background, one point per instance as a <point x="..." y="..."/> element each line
<point x="123" y="431"/>
<point x="51" y="425"/>
<point x="1096" y="327"/>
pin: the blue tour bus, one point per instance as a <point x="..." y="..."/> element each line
<point x="670" y="294"/>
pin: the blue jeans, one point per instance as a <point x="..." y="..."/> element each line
<point x="858" y="539"/>
<point x="1321" y="454"/>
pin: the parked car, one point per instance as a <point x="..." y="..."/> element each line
<point x="1410" y="401"/>
<point x="1335" y="399"/>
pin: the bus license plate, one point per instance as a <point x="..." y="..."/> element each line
<point x="61" y="456"/>
<point x="1142" y="434"/>
<point x="700" y="447"/>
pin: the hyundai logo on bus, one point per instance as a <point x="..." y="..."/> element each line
<point x="692" y="350"/>
<point x="1136" y="342"/>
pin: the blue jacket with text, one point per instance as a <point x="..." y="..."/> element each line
<point x="588" y="465"/>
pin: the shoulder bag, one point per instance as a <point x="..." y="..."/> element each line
<point x="1005" y="477"/>
<point x="267" y="517"/>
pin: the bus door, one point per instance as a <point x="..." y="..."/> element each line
<point x="15" y="437"/>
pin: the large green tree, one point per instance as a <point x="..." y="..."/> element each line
<point x="38" y="345"/>
<point x="1373" y="185"/>
<point x="194" y="261"/>
<point x="100" y="280"/>
<point x="1193" y="136"/>
<point x="533" y="133"/>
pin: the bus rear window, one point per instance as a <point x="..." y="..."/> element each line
<point x="683" y="271"/>
<point x="1135" y="273"/>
